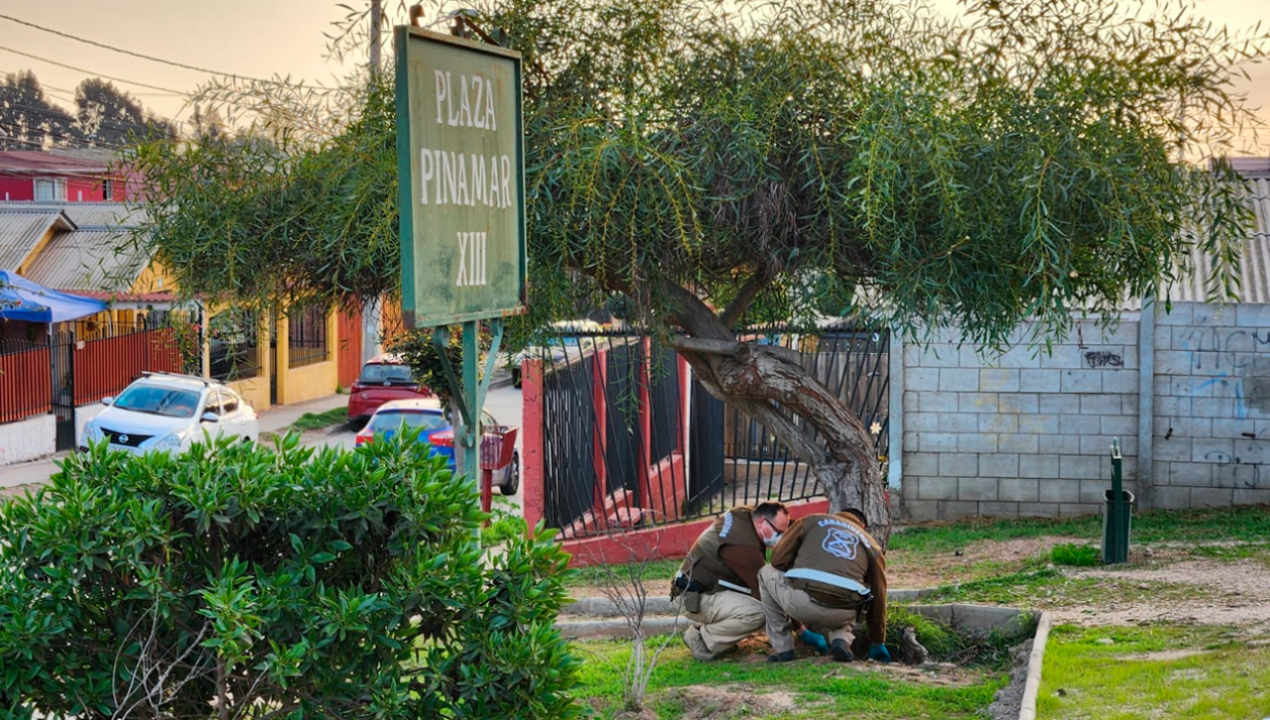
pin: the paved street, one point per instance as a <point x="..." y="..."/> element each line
<point x="503" y="403"/>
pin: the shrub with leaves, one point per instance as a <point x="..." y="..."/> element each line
<point x="239" y="581"/>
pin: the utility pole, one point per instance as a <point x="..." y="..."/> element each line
<point x="372" y="308"/>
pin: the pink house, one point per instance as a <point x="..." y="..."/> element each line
<point x="62" y="175"/>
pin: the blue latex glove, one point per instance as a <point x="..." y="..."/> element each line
<point x="880" y="654"/>
<point x="815" y="641"/>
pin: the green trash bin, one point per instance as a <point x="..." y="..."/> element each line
<point x="1115" y="528"/>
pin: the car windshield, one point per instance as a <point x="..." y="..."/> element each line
<point x="392" y="420"/>
<point x="156" y="400"/>
<point x="380" y="374"/>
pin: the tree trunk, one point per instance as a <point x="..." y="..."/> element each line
<point x="772" y="387"/>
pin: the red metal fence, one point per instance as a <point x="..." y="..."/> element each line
<point x="106" y="366"/>
<point x="26" y="386"/>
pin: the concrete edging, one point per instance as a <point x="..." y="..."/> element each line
<point x="1033" y="687"/>
<point x="604" y="607"/>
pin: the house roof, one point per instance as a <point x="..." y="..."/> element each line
<point x="91" y="254"/>
<point x="22" y="228"/>
<point x="1254" y="272"/>
<point x="35" y="162"/>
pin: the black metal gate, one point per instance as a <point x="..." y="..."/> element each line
<point x="62" y="356"/>
<point x="568" y="465"/>
<point x="705" y="454"/>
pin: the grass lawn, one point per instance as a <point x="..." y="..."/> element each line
<point x="809" y="689"/>
<point x="1188" y="619"/>
<point x="320" y="421"/>
<point x="1197" y="672"/>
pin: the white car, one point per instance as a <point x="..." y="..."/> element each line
<point x="168" y="413"/>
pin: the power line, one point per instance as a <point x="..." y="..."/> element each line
<point x="74" y="117"/>
<point x="143" y="56"/>
<point x="91" y="72"/>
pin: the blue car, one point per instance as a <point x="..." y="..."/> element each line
<point x="426" y="416"/>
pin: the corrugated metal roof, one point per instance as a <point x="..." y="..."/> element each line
<point x="101" y="215"/>
<point x="21" y="229"/>
<point x="1254" y="272"/>
<point x="87" y="256"/>
<point x="94" y="260"/>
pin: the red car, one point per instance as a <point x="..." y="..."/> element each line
<point x="383" y="379"/>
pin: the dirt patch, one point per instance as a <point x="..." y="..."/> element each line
<point x="1221" y="593"/>
<point x="705" y="702"/>
<point x="911" y="570"/>
<point x="1162" y="655"/>
<point x="930" y="674"/>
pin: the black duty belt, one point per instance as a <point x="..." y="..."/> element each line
<point x="687" y="585"/>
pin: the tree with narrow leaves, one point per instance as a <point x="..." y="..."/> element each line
<point x="724" y="164"/>
<point x="730" y="164"/>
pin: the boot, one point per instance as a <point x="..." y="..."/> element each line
<point x="840" y="651"/>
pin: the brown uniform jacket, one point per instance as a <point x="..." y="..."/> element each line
<point x="838" y="564"/>
<point x="728" y="555"/>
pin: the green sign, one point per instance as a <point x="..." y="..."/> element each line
<point x="461" y="179"/>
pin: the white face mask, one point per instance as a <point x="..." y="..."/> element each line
<point x="771" y="541"/>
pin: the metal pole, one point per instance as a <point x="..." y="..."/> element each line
<point x="472" y="396"/>
<point x="372" y="307"/>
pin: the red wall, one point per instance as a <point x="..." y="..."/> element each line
<point x="17" y="188"/>
<point x="94" y="189"/>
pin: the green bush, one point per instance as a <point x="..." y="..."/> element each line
<point x="1078" y="555"/>
<point x="505" y="522"/>
<point x="246" y="582"/>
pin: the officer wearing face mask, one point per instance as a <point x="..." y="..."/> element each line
<point x="718" y="581"/>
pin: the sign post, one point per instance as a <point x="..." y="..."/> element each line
<point x="460" y="159"/>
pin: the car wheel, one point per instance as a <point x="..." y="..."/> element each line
<point x="511" y="485"/>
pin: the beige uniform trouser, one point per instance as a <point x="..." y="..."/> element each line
<point x="727" y="617"/>
<point x="781" y="602"/>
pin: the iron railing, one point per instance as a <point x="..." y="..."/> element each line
<point x="306" y="337"/>
<point x="608" y="395"/>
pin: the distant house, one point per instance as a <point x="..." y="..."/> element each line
<point x="84" y="249"/>
<point x="62" y="176"/>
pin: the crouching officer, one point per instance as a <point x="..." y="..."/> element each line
<point x="824" y="572"/>
<point x="718" y="581"/>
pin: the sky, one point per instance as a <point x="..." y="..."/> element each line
<point x="261" y="38"/>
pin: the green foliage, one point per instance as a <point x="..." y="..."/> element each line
<point x="270" y="216"/>
<point x="1076" y="555"/>
<point x="1018" y="160"/>
<point x="281" y="582"/>
<point x="942" y="641"/>
<point x="505" y="523"/>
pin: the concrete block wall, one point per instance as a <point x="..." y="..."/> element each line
<point x="1024" y="433"/>
<point x="1211" y="434"/>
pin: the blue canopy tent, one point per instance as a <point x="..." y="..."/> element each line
<point x="21" y="299"/>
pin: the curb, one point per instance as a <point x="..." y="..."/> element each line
<point x="619" y="629"/>
<point x="1033" y="687"/>
<point x="604" y="607"/>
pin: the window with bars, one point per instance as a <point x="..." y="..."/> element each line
<point x="306" y="336"/>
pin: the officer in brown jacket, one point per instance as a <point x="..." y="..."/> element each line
<point x="718" y="581"/>
<point x="824" y="571"/>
